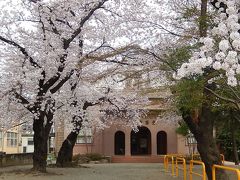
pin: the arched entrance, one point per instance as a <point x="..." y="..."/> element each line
<point x="141" y="142"/>
<point x="161" y="142"/>
<point x="119" y="142"/>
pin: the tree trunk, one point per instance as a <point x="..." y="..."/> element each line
<point x="40" y="147"/>
<point x="65" y="154"/>
<point x="203" y="23"/>
<point x="41" y="134"/>
<point x="234" y="143"/>
<point x="207" y="148"/>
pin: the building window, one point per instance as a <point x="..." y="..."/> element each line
<point x="11" y="139"/>
<point x="119" y="140"/>
<point x="161" y="143"/>
<point x="85" y="136"/>
<point x="24" y="149"/>
<point x="30" y="141"/>
<point x="1" y="138"/>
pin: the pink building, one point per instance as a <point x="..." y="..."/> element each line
<point x="149" y="144"/>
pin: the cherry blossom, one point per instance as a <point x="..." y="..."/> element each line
<point x="223" y="57"/>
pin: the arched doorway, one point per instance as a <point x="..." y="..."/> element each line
<point x="141" y="142"/>
<point x="161" y="142"/>
<point x="119" y="141"/>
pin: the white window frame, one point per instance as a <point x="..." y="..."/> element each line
<point x="85" y="136"/>
<point x="12" y="139"/>
<point x="30" y="140"/>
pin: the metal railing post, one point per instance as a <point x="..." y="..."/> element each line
<point x="225" y="168"/>
<point x="184" y="167"/>
<point x="203" y="175"/>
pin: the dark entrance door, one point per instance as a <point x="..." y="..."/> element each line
<point x="141" y="142"/>
<point x="162" y="142"/>
<point x="119" y="140"/>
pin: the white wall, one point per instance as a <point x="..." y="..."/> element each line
<point x="25" y="141"/>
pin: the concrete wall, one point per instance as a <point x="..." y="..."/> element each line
<point x="60" y="135"/>
<point x="183" y="148"/>
<point x="15" y="159"/>
<point x="95" y="147"/>
<point x="82" y="148"/>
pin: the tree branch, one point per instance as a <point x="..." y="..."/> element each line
<point x="22" y="49"/>
<point x="234" y="92"/>
<point x="115" y="52"/>
<point x="23" y="101"/>
<point x="62" y="82"/>
<point x="159" y="26"/>
<point x="54" y="78"/>
<point x="81" y="24"/>
<point x="219" y="96"/>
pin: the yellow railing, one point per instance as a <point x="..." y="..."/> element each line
<point x="176" y="159"/>
<point x="184" y="169"/>
<point x="176" y="155"/>
<point x="225" y="168"/>
<point x="166" y="158"/>
<point x="199" y="157"/>
<point x="203" y="174"/>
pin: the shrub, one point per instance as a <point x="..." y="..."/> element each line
<point x="94" y="156"/>
<point x="85" y="158"/>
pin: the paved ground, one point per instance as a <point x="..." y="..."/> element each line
<point x="93" y="172"/>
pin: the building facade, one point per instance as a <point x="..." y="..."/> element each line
<point x="10" y="141"/>
<point x="124" y="145"/>
<point x="153" y="140"/>
<point x="27" y="143"/>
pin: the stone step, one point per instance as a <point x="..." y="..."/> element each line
<point x="137" y="159"/>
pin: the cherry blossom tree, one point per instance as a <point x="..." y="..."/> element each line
<point x="220" y="49"/>
<point x="200" y="117"/>
<point x="99" y="108"/>
<point x="47" y="46"/>
<point x="40" y="61"/>
<point x="101" y="93"/>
